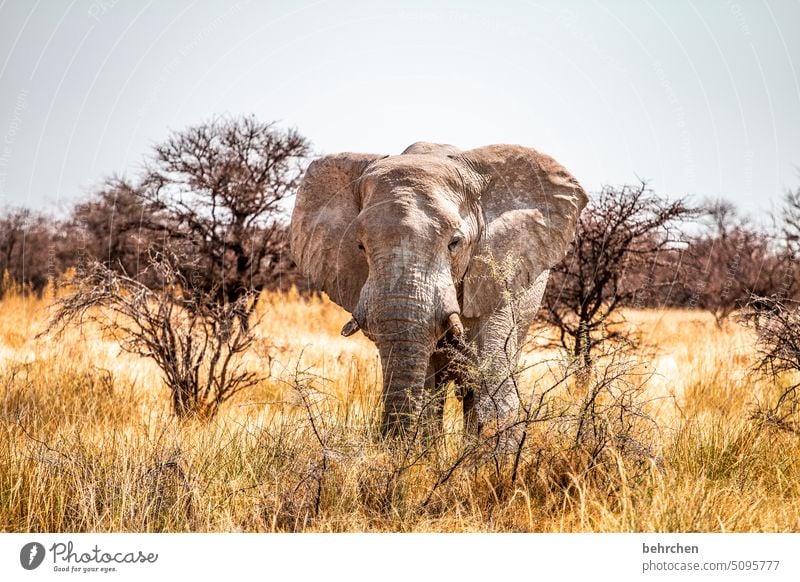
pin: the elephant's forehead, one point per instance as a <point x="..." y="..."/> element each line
<point x="433" y="183"/>
<point x="408" y="210"/>
<point x="425" y="173"/>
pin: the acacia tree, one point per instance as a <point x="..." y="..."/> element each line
<point x="213" y="194"/>
<point x="217" y="191"/>
<point x="624" y="236"/>
<point x="729" y="263"/>
<point x="30" y="249"/>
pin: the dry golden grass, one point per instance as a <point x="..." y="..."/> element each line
<point x="88" y="442"/>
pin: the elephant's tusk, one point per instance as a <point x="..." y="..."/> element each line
<point x="455" y="324"/>
<point x="350" y="327"/>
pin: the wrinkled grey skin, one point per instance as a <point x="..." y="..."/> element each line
<point x="405" y="243"/>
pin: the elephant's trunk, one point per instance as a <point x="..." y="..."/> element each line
<point x="405" y="365"/>
<point x="405" y="307"/>
<point x="405" y="334"/>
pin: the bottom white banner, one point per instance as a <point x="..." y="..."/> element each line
<point x="387" y="557"/>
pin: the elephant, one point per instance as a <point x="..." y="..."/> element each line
<point x="437" y="247"/>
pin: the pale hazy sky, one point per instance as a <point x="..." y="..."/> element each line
<point x="700" y="97"/>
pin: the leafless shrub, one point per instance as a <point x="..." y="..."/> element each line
<point x="195" y="341"/>
<point x="624" y="236"/>
<point x="777" y="325"/>
<point x="611" y="417"/>
<point x="572" y="429"/>
<point x="313" y="478"/>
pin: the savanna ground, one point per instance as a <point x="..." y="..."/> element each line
<point x="89" y="443"/>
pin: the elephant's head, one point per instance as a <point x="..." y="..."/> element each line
<point x="400" y="242"/>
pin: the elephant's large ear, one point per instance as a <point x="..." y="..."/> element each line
<point x="323" y="242"/>
<point x="531" y="206"/>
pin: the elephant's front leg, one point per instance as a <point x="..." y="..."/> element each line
<point x="488" y="389"/>
<point x="494" y="405"/>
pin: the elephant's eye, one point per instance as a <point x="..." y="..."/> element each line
<point x="454" y="243"/>
<point x="360" y="246"/>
